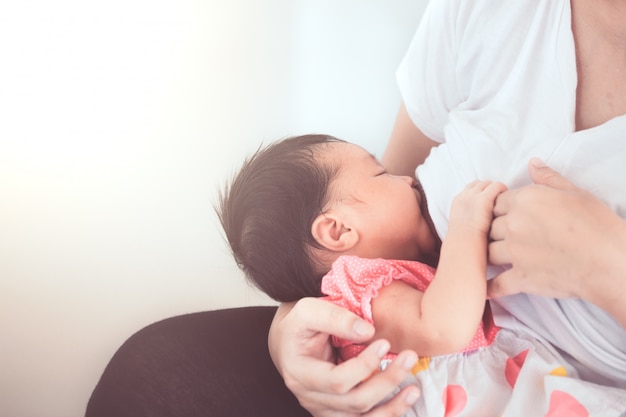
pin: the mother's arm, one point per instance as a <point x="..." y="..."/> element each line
<point x="300" y="347"/>
<point x="561" y="242"/>
<point x="408" y="147"/>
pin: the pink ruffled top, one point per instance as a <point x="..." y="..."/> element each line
<point x="353" y="282"/>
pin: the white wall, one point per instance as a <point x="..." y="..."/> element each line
<point x="119" y="120"/>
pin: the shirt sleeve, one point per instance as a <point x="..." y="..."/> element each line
<point x="353" y="282"/>
<point x="426" y="76"/>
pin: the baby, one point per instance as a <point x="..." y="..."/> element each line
<point x="304" y="203"/>
<point x="313" y="215"/>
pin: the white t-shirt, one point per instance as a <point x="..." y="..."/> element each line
<point x="495" y="82"/>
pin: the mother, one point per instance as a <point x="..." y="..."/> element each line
<point x="487" y="85"/>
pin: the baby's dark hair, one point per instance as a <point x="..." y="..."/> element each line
<point x="267" y="211"/>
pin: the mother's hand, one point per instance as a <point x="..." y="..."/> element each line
<point x="299" y="343"/>
<point x="559" y="241"/>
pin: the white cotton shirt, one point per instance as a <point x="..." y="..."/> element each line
<point x="495" y="83"/>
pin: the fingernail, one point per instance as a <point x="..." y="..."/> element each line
<point x="409" y="362"/>
<point x="361" y="328"/>
<point x="412" y="397"/>
<point x="382" y="349"/>
<point x="537" y="163"/>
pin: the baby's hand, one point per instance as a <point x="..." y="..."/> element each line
<point x="473" y="207"/>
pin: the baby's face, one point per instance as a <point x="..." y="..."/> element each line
<point x="385" y="209"/>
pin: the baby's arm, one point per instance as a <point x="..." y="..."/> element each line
<point x="444" y="318"/>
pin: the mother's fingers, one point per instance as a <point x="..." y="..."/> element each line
<point x="498" y="229"/>
<point x="342" y="378"/>
<point x="319" y="315"/>
<point x="498" y="253"/>
<point x="362" y="397"/>
<point x="540" y="173"/>
<point x="503" y="284"/>
<point x="398" y="405"/>
<point x="504" y="202"/>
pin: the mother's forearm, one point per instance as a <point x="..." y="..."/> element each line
<point x="408" y="147"/>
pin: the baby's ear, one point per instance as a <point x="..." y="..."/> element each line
<point x="331" y="231"/>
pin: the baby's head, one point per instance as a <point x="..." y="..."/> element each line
<point x="298" y="204"/>
<point x="267" y="211"/>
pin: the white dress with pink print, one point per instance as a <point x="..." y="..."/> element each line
<point x="500" y="373"/>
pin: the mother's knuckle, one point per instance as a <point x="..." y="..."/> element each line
<point x="360" y="404"/>
<point x="339" y="387"/>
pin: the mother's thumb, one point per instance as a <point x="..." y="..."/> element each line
<point x="542" y="174"/>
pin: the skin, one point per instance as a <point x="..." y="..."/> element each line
<point x="372" y="213"/>
<point x="541" y="229"/>
<point x="408" y="147"/>
<point x="331" y="389"/>
<point x="599" y="29"/>
<point x="445" y="317"/>
<point x="345" y="390"/>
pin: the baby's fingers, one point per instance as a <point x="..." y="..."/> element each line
<point x="489" y="189"/>
<point x="494" y="189"/>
